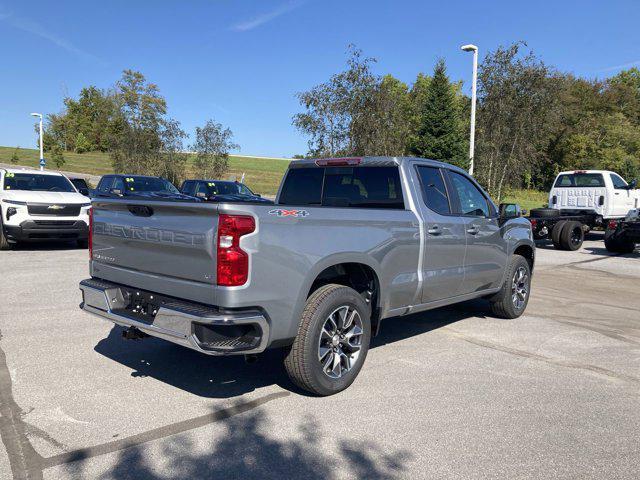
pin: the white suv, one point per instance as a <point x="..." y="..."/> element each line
<point x="38" y="206"/>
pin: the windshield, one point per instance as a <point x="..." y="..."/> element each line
<point x="580" y="180"/>
<point x="37" y="183"/>
<point x="226" y="188"/>
<point x="148" y="184"/>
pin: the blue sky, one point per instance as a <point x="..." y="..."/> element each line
<point x="241" y="62"/>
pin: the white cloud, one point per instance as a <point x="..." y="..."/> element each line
<point x="621" y="67"/>
<point x="266" y="17"/>
<point x="38" y="30"/>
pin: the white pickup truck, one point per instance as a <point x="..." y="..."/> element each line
<point x="581" y="200"/>
<point x="41" y="205"/>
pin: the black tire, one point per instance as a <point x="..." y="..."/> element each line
<point x="303" y="362"/>
<point x="82" y="243"/>
<point x="572" y="236"/>
<point x="615" y="244"/>
<point x="4" y="243"/>
<point x="555" y="234"/>
<point x="544" y="212"/>
<point x="503" y="304"/>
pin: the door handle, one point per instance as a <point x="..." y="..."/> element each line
<point x="473" y="230"/>
<point x="435" y="230"/>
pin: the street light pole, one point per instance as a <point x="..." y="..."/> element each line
<point x="474" y="49"/>
<point x="42" y="162"/>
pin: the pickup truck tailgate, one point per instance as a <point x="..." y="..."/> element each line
<point x="137" y="241"/>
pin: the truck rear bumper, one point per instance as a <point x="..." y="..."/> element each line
<point x="193" y="325"/>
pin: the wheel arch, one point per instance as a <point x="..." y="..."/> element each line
<point x="357" y="271"/>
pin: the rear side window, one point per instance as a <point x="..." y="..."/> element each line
<point x="434" y="191"/>
<point x="580" y="180"/>
<point x="303" y="186"/>
<point x="363" y="187"/>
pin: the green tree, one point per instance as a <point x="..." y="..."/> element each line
<point x="335" y="111"/>
<point x="135" y="133"/>
<point x="439" y="133"/>
<point x="15" y="158"/>
<point x="57" y="156"/>
<point x="172" y="160"/>
<point x="517" y="111"/>
<point x="382" y="125"/>
<point x="82" y="143"/>
<point x="212" y="145"/>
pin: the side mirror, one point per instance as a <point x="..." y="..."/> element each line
<point x="115" y="191"/>
<point x="258" y="195"/>
<point x="632" y="184"/>
<point x="510" y="210"/>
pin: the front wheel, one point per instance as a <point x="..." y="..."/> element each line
<point x="512" y="299"/>
<point x="332" y="341"/>
<point x="614" y="244"/>
<point x="4" y="243"/>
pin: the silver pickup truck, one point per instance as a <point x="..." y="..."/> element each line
<point x="348" y="242"/>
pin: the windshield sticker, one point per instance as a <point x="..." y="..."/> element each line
<point x="280" y="212"/>
<point x="10" y="174"/>
<point x="129" y="179"/>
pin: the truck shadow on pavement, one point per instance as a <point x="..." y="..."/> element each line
<point x="249" y="447"/>
<point x="226" y="377"/>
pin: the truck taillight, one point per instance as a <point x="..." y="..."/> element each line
<point x="90" y="234"/>
<point x="233" y="262"/>
<point x="534" y="223"/>
<point x="613" y="224"/>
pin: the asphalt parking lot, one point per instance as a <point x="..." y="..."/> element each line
<point x="451" y="393"/>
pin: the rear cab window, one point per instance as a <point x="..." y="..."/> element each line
<point x="353" y="187"/>
<point x="579" y="180"/>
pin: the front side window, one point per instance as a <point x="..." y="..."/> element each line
<point x="618" y="182"/>
<point x="37" y="183"/>
<point x="434" y="190"/>
<point x="472" y="201"/>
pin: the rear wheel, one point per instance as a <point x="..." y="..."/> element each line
<point x="555" y="234"/>
<point x="332" y="341"/>
<point x="615" y="244"/>
<point x="511" y="301"/>
<point x="572" y="236"/>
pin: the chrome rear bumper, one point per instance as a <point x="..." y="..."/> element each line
<point x="191" y="325"/>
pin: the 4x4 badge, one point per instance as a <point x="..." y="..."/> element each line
<point x="281" y="212"/>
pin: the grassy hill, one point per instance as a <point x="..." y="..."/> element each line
<point x="262" y="174"/>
